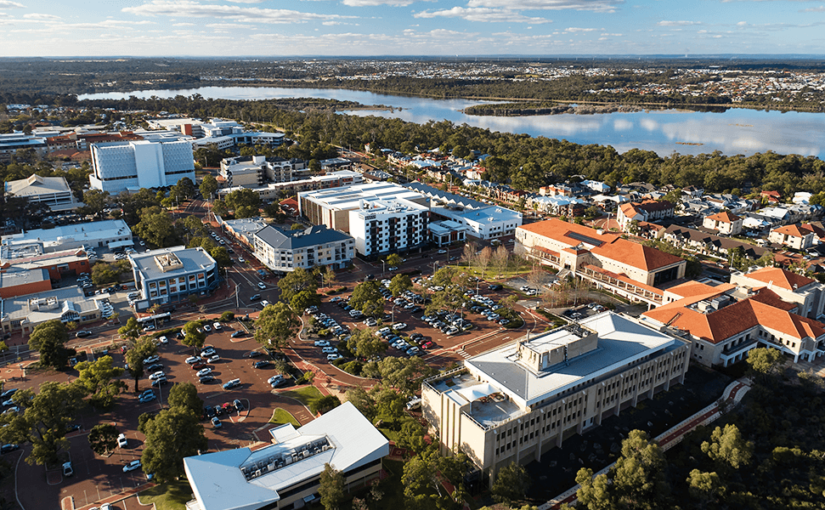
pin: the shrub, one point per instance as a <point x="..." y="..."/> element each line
<point x="227" y="316"/>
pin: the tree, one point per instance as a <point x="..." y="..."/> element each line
<point x="511" y="483"/>
<point x="332" y="488"/>
<point x="103" y="438"/>
<point x="139" y="351"/>
<point x="363" y="401"/>
<point x="245" y="203"/>
<point x="304" y="299"/>
<point x="208" y="186"/>
<point x="276" y="324"/>
<point x="728" y="448"/>
<point x="44" y="420"/>
<point x="194" y="336"/>
<point x="220" y="208"/>
<point x="221" y="257"/>
<point x="183" y="190"/>
<point x="131" y="330"/>
<point x="227" y="316"/>
<point x="49" y="339"/>
<point x="501" y="258"/>
<point x="483" y="259"/>
<point x="367" y="298"/>
<point x="394" y="259"/>
<point x="171" y="436"/>
<point x="411" y="436"/>
<point x="399" y="284"/>
<point x="156" y="227"/>
<point x="194" y="226"/>
<point x="185" y="395"/>
<point x="295" y="282"/>
<point x="404" y="374"/>
<point x="469" y="254"/>
<point x="764" y="362"/>
<point x="365" y="344"/>
<point x="330" y="277"/>
<point x="103" y="273"/>
<point x="95" y="201"/>
<point x="296" y="226"/>
<point x="100" y="379"/>
<point x="324" y="404"/>
<point x="704" y="487"/>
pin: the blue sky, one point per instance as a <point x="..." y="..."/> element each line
<point x="409" y="27"/>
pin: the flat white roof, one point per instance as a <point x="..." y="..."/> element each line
<point x="93" y="231"/>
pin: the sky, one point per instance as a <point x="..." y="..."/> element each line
<point x="230" y="28"/>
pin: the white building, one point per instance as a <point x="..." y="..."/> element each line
<point x="275" y="190"/>
<point x="124" y="166"/>
<point x="286" y="250"/>
<point x="285" y="475"/>
<point x="12" y="142"/>
<point x="51" y="191"/>
<point x="171" y="274"/>
<point x="95" y="234"/>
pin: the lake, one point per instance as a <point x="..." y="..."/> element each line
<point x="736" y="131"/>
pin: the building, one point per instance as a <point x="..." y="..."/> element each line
<point x="172" y="274"/>
<point x="12" y="142"/>
<point x="24" y="313"/>
<point x="792" y="236"/>
<point x="806" y="293"/>
<point x="51" y="191"/>
<point x="20" y="282"/>
<point x="647" y="210"/>
<point x="724" y="322"/>
<point x="224" y="133"/>
<point x="275" y="190"/>
<point x="57" y="264"/>
<point x="286" y="250"/>
<point x="243" y="171"/>
<point x="623" y="267"/>
<point x="121" y="166"/>
<point x="286" y="475"/>
<point x="109" y="234"/>
<point x="382" y="217"/>
<point x="242" y="229"/>
<point x="705" y="243"/>
<point x="483" y="221"/>
<point x="447" y="232"/>
<point x="516" y="402"/>
<point x="725" y="222"/>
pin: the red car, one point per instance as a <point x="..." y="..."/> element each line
<point x="199" y="365"/>
<point x="426" y="345"/>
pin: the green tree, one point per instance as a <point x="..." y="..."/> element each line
<point x="764" y="362"/>
<point x="208" y="186"/>
<point x="103" y="273"/>
<point x="511" y="483"/>
<point x="367" y="298"/>
<point x="330" y="278"/>
<point x="303" y="300"/>
<point x="728" y="448"/>
<point x="404" y="374"/>
<point x="394" y="259"/>
<point x="95" y="201"/>
<point x="332" y="488"/>
<point x="220" y="208"/>
<point x="412" y="436"/>
<point x="194" y="335"/>
<point x="245" y="203"/>
<point x="295" y="282"/>
<point x="365" y="344"/>
<point x="705" y="487"/>
<point x="156" y="227"/>
<point x="183" y="190"/>
<point x="275" y="325"/>
<point x="49" y="339"/>
<point x="138" y="351"/>
<point x="131" y="330"/>
<point x="324" y="404"/>
<point x="221" y="257"/>
<point x="194" y="226"/>
<point x="227" y="316"/>
<point x="399" y="284"/>
<point x="103" y="438"/>
<point x="296" y="226"/>
<point x="100" y="380"/>
<point x="363" y="401"/>
<point x="171" y="436"/>
<point x="44" y="421"/>
<point x="185" y="395"/>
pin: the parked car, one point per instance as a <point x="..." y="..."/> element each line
<point x="207" y="328"/>
<point x="160" y="382"/>
<point x="321" y="343"/>
<point x="135" y="464"/>
<point x="399" y="326"/>
<point x="333" y="357"/>
<point x="255" y="354"/>
<point x="237" y="334"/>
<point x="122" y="441"/>
<point x="151" y="359"/>
<point x="329" y="350"/>
<point x="255" y="297"/>
<point x="261" y="285"/>
<point x="163" y="340"/>
<point x="206" y="379"/>
<point x="213" y="359"/>
<point x="261" y="364"/>
<point x="156" y="376"/>
<point x="275" y="380"/>
<point x="199" y="365"/>
<point x="238" y="405"/>
<point x="193" y="359"/>
<point x="217" y="326"/>
<point x="231" y="384"/>
<point x="6" y="448"/>
<point x="204" y="371"/>
<point x="67" y="469"/>
<point x="83" y="334"/>
<point x="216" y="422"/>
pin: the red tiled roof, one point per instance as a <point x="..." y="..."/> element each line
<point x="818" y="232"/>
<point x="725" y="217"/>
<point x="636" y="255"/>
<point x="693" y="289"/>
<point x="793" y="231"/>
<point x="560" y="231"/>
<point x="780" y="277"/>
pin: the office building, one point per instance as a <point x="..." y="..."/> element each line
<point x="122" y="166"/>
<point x="286" y="250"/>
<point x="516" y="402"/>
<point x="168" y="275"/>
<point x="253" y="171"/>
<point x="12" y="142"/>
<point x="19" y="282"/>
<point x="58" y="264"/>
<point x="285" y="475"/>
<point x="275" y="190"/>
<point x="808" y="294"/>
<point x="53" y="192"/>
<point x="109" y="234"/>
<point x="23" y="313"/>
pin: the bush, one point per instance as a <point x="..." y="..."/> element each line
<point x="324" y="404"/>
<point x="323" y="332"/>
<point x="354" y="367"/>
<point x="227" y="316"/>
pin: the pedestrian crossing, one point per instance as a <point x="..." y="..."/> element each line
<point x="463" y="354"/>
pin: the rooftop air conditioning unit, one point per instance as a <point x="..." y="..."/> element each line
<point x="258" y="473"/>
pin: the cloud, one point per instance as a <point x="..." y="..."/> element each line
<point x="183" y="25"/>
<point x="41" y="16"/>
<point x="483" y="15"/>
<point x="573" y="30"/>
<point x="821" y="8"/>
<point x="536" y="5"/>
<point x="678" y="23"/>
<point x="8" y="4"/>
<point x="245" y="1"/>
<point x="612" y="35"/>
<point x="742" y="23"/>
<point x="375" y="3"/>
<point x="228" y="26"/>
<point x="192" y="9"/>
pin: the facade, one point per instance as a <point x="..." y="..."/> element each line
<point x="51" y="191"/>
<point x="806" y="293"/>
<point x="57" y="264"/>
<point x="285" y="475"/>
<point x="243" y="171"/>
<point x="792" y="236"/>
<point x="275" y="190"/>
<point x="516" y="402"/>
<point x="286" y="250"/>
<point x="172" y="274"/>
<point x="647" y="210"/>
<point x="122" y="166"/>
<point x="24" y="313"/>
<point x="726" y="223"/>
<point x="702" y="242"/>
<point x="446" y="232"/>
<point x="94" y="234"/>
<point x="615" y="264"/>
<point x="724" y="322"/>
<point x="243" y="229"/>
<point x="24" y="281"/>
<point x="12" y="142"/>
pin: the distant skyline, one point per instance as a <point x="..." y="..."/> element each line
<point x="227" y="28"/>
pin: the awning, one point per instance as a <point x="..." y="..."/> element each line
<point x="478" y="391"/>
<point x="119" y="244"/>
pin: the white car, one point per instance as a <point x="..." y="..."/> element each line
<point x="163" y="340"/>
<point x="207" y="328"/>
<point x="442" y="252"/>
<point x="204" y="371"/>
<point x="214" y="358"/>
<point x="122" y="441"/>
<point x="193" y="359"/>
<point x="321" y="343"/>
<point x="217" y="326"/>
<point x="329" y="350"/>
<point x="151" y="359"/>
<point x="157" y="375"/>
<point x="261" y="285"/>
<point x="265" y="303"/>
<point x="135" y="464"/>
<point x="333" y="357"/>
<point x="150" y="327"/>
<point x="241" y="260"/>
<point x="399" y="325"/>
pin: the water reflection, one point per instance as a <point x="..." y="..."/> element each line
<point x="663" y="131"/>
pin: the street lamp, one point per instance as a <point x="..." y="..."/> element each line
<point x="383" y="265"/>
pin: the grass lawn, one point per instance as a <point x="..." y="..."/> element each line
<point x="303" y="395"/>
<point x="282" y="416"/>
<point x="167" y="496"/>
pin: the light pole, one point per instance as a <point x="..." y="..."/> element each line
<point x="383" y="265"/>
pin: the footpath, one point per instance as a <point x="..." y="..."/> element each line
<point x="731" y="396"/>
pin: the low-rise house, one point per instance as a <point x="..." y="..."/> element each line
<point x="702" y="242"/>
<point x="23" y="313"/>
<point x="647" y="210"/>
<point x="724" y="222"/>
<point x="792" y="236"/>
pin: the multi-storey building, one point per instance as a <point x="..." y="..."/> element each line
<point x="25" y="312"/>
<point x="12" y="142"/>
<point x="516" y="402"/>
<point x="51" y="191"/>
<point x="806" y="293"/>
<point x="58" y="264"/>
<point x="647" y="210"/>
<point x="286" y="250"/>
<point x="171" y="274"/>
<point x="122" y="166"/>
<point x="94" y="234"/>
<point x="797" y="237"/>
<point x="275" y="190"/>
<point x="724" y="222"/>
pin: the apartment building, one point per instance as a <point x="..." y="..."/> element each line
<point x="646" y="210"/>
<point x="808" y="294"/>
<point x="121" y="166"/>
<point x="286" y="250"/>
<point x="285" y="475"/>
<point x="516" y="402"/>
<point x="725" y="222"/>
<point x="792" y="236"/>
<point x="724" y="322"/>
<point x="172" y="274"/>
<point x="53" y="192"/>
<point x="243" y="171"/>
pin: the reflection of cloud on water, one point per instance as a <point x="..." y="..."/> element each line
<point x="622" y="125"/>
<point x="649" y="124"/>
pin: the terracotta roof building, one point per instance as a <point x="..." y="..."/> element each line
<point x="647" y="210"/>
<point x="724" y="222"/>
<point x="792" y="236"/>
<point x="807" y="294"/>
<point x="621" y="266"/>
